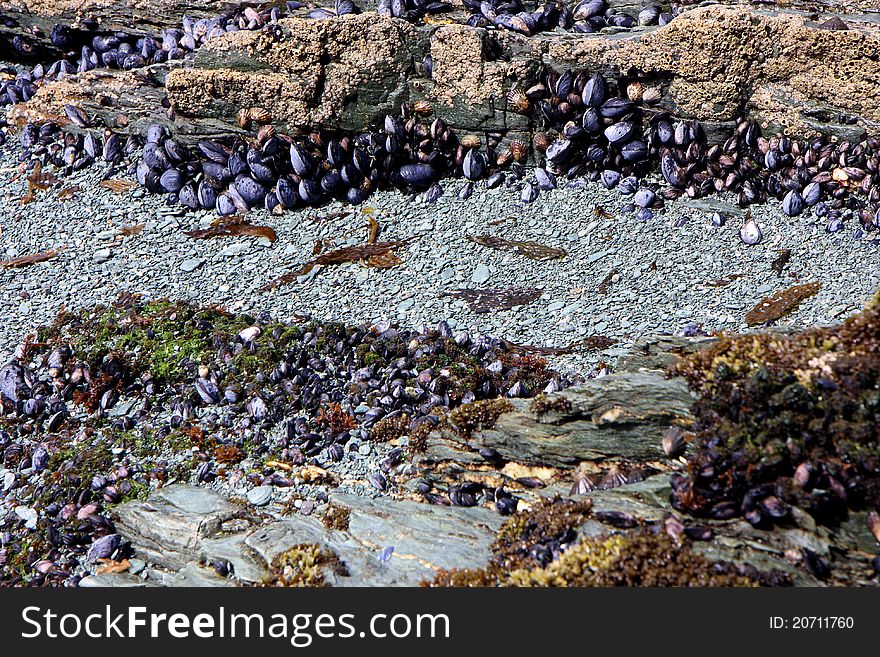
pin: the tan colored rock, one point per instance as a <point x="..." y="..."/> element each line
<point x="117" y="13"/>
<point x="315" y="75"/>
<point x="714" y="56"/>
<point x="713" y="63"/>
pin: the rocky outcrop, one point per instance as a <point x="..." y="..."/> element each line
<point x="620" y="416"/>
<point x="713" y="63"/>
<point x="334" y="73"/>
<point x="133" y="16"/>
<point x="425" y="538"/>
<point x="181" y="530"/>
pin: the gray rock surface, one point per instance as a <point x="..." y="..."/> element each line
<point x="180" y="527"/>
<point x="620" y="415"/>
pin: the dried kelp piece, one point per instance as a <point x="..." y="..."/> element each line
<point x="533" y="250"/>
<point x="69" y="192"/>
<point x="364" y="252"/>
<point x="131" y="230"/>
<point x="24" y="261"/>
<point x="721" y="282"/>
<point x="37" y="180"/>
<point x="601" y="213"/>
<point x="374" y="229"/>
<point x="232" y="227"/>
<point x="781" y="260"/>
<point x="780" y="304"/>
<point x="384" y="260"/>
<point x="590" y="343"/>
<point x="118" y="186"/>
<point x="605" y="285"/>
<point x="484" y="301"/>
<point x="41" y="180"/>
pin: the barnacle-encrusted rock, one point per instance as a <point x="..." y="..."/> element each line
<point x="622" y="415"/>
<point x="712" y="63"/>
<point x="334" y="73"/>
<point x="127" y="15"/>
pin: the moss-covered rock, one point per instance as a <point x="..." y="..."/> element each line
<point x="786" y="419"/>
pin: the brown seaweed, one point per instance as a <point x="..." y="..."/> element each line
<point x="780" y="304"/>
<point x="721" y="282"/>
<point x="592" y="342"/>
<point x="118" y="186"/>
<point x="781" y="260"/>
<point x="37" y="180"/>
<point x="24" y="261"/>
<point x="375" y="255"/>
<point x="605" y="285"/>
<point x="533" y="250"/>
<point x="484" y="301"/>
<point x="234" y="227"/>
<point x="131" y="230"/>
<point x="69" y="192"/>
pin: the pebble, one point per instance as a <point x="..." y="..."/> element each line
<point x="260" y="495"/>
<point x="191" y="264"/>
<point x="662" y="268"/>
<point x="27" y="514"/>
<point x="481" y="274"/>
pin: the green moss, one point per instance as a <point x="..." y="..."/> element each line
<point x="796" y="417"/>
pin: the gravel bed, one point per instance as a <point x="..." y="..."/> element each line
<point x="665" y="267"/>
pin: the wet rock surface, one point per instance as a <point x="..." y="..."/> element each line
<point x="422" y="538"/>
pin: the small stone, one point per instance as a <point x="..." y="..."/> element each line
<point x="191" y="264"/>
<point x="103" y="255"/>
<point x="481" y="274"/>
<point x="27" y="514"/>
<point x="260" y="495"/>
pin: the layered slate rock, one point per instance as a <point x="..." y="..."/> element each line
<point x="183" y="529"/>
<point x="620" y="416"/>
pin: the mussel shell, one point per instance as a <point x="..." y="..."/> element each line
<point x="250" y="190"/>
<point x="620" y="132"/>
<point x="207" y="195"/>
<point x="155" y="157"/>
<point x="616" y="107"/>
<point x="474" y="165"/>
<point x="634" y="151"/>
<point x="595" y="91"/>
<point x="172" y="180"/>
<point x="417" y="174"/>
<point x="188" y="196"/>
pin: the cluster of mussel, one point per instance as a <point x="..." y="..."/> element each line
<point x="375" y="376"/>
<point x="277" y="171"/>
<point x="70" y="151"/>
<point x="592" y="131"/>
<point x="87" y="46"/>
<point x="586" y="16"/>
